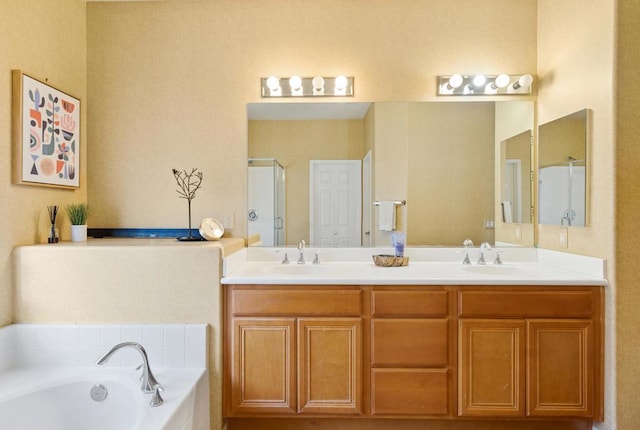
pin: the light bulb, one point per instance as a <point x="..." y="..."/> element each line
<point x="491" y="88"/>
<point x="502" y="80"/>
<point x="524" y="81"/>
<point x="341" y="83"/>
<point x="455" y="81"/>
<point x="273" y="83"/>
<point x="295" y="82"/>
<point x="318" y="83"/>
<point x="479" y="81"/>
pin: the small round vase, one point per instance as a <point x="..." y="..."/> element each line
<point x="78" y="233"/>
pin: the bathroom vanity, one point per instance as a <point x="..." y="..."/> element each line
<point x="434" y="341"/>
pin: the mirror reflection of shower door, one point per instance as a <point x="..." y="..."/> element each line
<point x="513" y="189"/>
<point x="266" y="200"/>
<point x="367" y="201"/>
<point x="562" y="195"/>
<point x="335" y="203"/>
<point x="563" y="174"/>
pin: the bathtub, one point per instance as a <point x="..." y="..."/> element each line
<point x="35" y="394"/>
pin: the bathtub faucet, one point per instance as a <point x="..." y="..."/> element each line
<point x="149" y="382"/>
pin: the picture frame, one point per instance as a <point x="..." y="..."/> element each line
<point x="45" y="134"/>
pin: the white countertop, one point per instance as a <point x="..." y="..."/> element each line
<point x="428" y="266"/>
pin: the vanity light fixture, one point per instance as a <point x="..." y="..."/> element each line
<point x="317" y="86"/>
<point x="481" y="85"/>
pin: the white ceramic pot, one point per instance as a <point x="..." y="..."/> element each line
<point x="78" y="233"/>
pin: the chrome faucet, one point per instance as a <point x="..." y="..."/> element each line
<point x="483" y="248"/>
<point x="301" y="249"/>
<point x="149" y="382"/>
<point x="285" y="260"/>
<point x="468" y="243"/>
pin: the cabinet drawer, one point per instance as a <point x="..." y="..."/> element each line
<point x="302" y="302"/>
<point x="409" y="392"/>
<point x="409" y="342"/>
<point x="526" y="304"/>
<point x="410" y="303"/>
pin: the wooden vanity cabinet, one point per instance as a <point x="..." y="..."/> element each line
<point x="431" y="352"/>
<point x="530" y="352"/>
<point x="293" y="351"/>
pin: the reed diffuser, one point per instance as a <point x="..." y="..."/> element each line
<point x="53" y="213"/>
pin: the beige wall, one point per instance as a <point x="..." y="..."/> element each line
<point x="571" y="59"/>
<point x="45" y="39"/>
<point x="451" y="166"/>
<point x="169" y="82"/>
<point x="390" y="157"/>
<point x="576" y="54"/>
<point x="627" y="208"/>
<point x="294" y="144"/>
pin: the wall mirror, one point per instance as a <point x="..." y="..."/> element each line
<point x="563" y="176"/>
<point x="515" y="178"/>
<point x="436" y="160"/>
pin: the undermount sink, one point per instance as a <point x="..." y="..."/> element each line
<point x="296" y="269"/>
<point x="495" y="269"/>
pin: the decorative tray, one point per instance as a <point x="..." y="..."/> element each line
<point x="390" y="260"/>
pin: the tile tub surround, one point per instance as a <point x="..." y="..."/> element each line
<point x="36" y="357"/>
<point x="167" y="345"/>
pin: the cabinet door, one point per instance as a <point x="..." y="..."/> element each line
<point x="329" y="365"/>
<point x="491" y="373"/>
<point x="560" y="368"/>
<point x="262" y="378"/>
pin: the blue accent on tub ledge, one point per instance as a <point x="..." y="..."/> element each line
<point x="149" y="233"/>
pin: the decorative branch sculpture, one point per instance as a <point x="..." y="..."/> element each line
<point x="188" y="183"/>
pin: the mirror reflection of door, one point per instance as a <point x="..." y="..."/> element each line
<point x="515" y="154"/>
<point x="335" y="203"/>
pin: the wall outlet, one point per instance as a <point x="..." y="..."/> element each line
<point x="489" y="223"/>
<point x="519" y="233"/>
<point x="563" y="237"/>
<point x="229" y="221"/>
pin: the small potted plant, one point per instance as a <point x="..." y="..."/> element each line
<point x="78" y="214"/>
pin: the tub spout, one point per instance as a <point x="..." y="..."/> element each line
<point x="149" y="382"/>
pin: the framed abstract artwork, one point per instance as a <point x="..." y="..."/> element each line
<point x="46" y="134"/>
